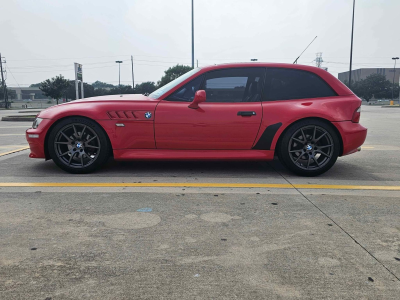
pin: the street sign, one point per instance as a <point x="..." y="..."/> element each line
<point x="78" y="70"/>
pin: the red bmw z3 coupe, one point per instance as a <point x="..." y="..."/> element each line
<point x="241" y="111"/>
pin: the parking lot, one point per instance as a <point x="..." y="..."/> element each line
<point x="195" y="230"/>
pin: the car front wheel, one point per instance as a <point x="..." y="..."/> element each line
<point x="78" y="145"/>
<point x="309" y="147"/>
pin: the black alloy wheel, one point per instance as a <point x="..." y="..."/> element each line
<point x="78" y="145"/>
<point x="309" y="147"/>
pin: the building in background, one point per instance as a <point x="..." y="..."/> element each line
<point x="27" y="93"/>
<point x="357" y="75"/>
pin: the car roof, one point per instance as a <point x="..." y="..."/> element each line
<point x="259" y="64"/>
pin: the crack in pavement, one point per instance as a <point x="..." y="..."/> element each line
<point x="333" y="221"/>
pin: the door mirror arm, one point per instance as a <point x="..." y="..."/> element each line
<point x="199" y="97"/>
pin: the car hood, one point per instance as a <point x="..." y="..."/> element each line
<point x="122" y="97"/>
<point x="97" y="107"/>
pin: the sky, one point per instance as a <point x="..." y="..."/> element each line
<point x="43" y="38"/>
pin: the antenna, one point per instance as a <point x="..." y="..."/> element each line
<point x="295" y="62"/>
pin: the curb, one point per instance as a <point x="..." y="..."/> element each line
<point x="390" y="106"/>
<point x="19" y="118"/>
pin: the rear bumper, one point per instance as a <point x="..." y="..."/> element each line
<point x="36" y="139"/>
<point x="353" y="136"/>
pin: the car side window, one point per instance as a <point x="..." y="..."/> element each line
<point x="187" y="92"/>
<point x="234" y="85"/>
<point x="286" y="84"/>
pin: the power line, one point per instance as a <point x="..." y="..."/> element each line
<point x="68" y="58"/>
<point x="8" y="68"/>
<point x="101" y="67"/>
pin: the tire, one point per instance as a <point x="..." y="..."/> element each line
<point x="78" y="145"/>
<point x="309" y="147"/>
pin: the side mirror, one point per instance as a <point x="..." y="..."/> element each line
<point x="199" y="97"/>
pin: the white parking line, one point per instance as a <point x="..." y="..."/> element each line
<point x="7" y="127"/>
<point x="11" y="134"/>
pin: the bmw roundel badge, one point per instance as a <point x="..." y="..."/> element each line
<point x="147" y="115"/>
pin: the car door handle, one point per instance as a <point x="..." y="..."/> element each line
<point x="246" y="113"/>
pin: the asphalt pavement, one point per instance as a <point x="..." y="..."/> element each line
<point x="202" y="230"/>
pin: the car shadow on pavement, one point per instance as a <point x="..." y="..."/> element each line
<point x="25" y="167"/>
<point x="190" y="169"/>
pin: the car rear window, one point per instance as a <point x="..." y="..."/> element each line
<point x="287" y="84"/>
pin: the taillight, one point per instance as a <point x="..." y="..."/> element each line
<point x="356" y="115"/>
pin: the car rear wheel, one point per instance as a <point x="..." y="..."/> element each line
<point x="309" y="147"/>
<point x="78" y="145"/>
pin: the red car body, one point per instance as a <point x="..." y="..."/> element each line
<point x="213" y="131"/>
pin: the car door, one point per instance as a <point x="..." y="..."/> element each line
<point x="229" y="119"/>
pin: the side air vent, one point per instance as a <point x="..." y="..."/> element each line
<point x="130" y="115"/>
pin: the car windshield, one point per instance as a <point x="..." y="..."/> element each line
<point x="162" y="90"/>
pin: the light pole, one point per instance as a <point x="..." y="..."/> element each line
<point x="119" y="62"/>
<point x="394" y="74"/>
<point x="192" y="34"/>
<point x="351" y="47"/>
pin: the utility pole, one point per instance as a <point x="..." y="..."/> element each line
<point x="351" y="47"/>
<point x="3" y="83"/>
<point x="319" y="60"/>
<point x="394" y="74"/>
<point x="192" y="34"/>
<point x="133" y="81"/>
<point x="82" y="90"/>
<point x="119" y="62"/>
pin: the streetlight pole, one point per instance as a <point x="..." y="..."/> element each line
<point x="351" y="47"/>
<point x="119" y="62"/>
<point x="192" y="34"/>
<point x="394" y="74"/>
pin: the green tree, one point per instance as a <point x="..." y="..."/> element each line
<point x="145" y="87"/>
<point x="173" y="73"/>
<point x="101" y="92"/>
<point x="122" y="89"/>
<point x="375" y="85"/>
<point x="99" y="84"/>
<point x="35" y="85"/>
<point x="12" y="95"/>
<point x="70" y="93"/>
<point x="55" y="87"/>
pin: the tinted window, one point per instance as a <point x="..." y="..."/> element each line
<point x="285" y="84"/>
<point x="186" y="93"/>
<point x="234" y="85"/>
